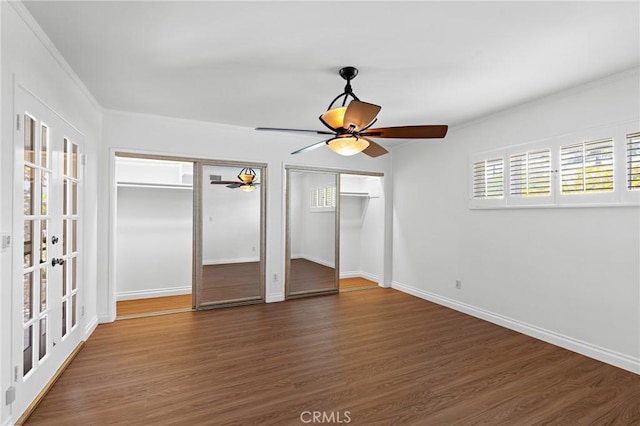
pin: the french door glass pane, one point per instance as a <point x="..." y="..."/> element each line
<point x="44" y="146"/>
<point x="44" y="241"/>
<point x="65" y="240"/>
<point x="29" y="189"/>
<point x="65" y="274"/>
<point x="43" y="288"/>
<point x="27" y="289"/>
<point x="65" y="167"/>
<point x="43" y="337"/>
<point x="65" y="195"/>
<point x="64" y="318"/>
<point x="27" y="350"/>
<point x="74" y="198"/>
<point x="74" y="273"/>
<point x="74" y="308"/>
<point x="74" y="236"/>
<point x="44" y="192"/>
<point x="29" y="139"/>
<point x="74" y="160"/>
<point x="28" y="244"/>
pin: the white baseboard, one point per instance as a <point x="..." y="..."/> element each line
<point x="359" y="274"/>
<point x="7" y="422"/>
<point x="155" y="292"/>
<point x="614" y="358"/>
<point x="315" y="260"/>
<point x="230" y="260"/>
<point x="90" y="327"/>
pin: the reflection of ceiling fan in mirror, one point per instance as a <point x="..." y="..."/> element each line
<point x="246" y="180"/>
<point x="350" y="125"/>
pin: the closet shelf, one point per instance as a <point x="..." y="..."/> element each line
<point x="154" y="185"/>
<point x="358" y="194"/>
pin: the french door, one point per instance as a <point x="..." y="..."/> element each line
<point x="47" y="249"/>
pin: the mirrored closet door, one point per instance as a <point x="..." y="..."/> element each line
<point x="312" y="232"/>
<point x="230" y="252"/>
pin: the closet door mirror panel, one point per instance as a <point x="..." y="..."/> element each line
<point x="231" y="238"/>
<point x="312" y="206"/>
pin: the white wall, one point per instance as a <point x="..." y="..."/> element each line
<point x="154" y="242"/>
<point x="27" y="60"/>
<point x="161" y="135"/>
<point x="535" y="270"/>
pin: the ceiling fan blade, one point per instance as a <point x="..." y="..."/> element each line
<point x="275" y="129"/>
<point x="374" y="150"/>
<point x="222" y="182"/>
<point x="235" y="185"/>
<point x="408" y="132"/>
<point x="310" y="147"/>
<point x="360" y="114"/>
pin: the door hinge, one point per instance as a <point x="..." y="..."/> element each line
<point x="18" y="116"/>
<point x="10" y="395"/>
<point x="15" y="373"/>
<point x="83" y="159"/>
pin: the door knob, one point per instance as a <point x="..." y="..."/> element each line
<point x="55" y="262"/>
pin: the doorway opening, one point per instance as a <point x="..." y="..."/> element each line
<point x="361" y="231"/>
<point x="154" y="229"/>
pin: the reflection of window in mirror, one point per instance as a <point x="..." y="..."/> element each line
<point x="312" y="233"/>
<point x="323" y="199"/>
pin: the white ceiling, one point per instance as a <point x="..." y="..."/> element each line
<point x="275" y="64"/>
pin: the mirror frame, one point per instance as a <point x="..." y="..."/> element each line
<point x="288" y="294"/>
<point x="198" y="180"/>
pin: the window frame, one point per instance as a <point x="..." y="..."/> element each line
<point x="620" y="196"/>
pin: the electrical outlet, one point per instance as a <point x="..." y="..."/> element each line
<point x="275" y="277"/>
<point x="458" y="284"/>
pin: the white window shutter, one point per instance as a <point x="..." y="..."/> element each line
<point x="633" y="162"/>
<point x="530" y="173"/>
<point x="587" y="167"/>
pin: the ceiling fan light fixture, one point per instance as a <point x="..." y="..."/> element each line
<point x="247" y="188"/>
<point x="349" y="145"/>
<point x="247" y="175"/>
<point x="334" y="118"/>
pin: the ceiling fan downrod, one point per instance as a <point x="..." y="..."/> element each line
<point x="348" y="73"/>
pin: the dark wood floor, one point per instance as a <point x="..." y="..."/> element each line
<point x="310" y="276"/>
<point x="231" y="281"/>
<point x="166" y="304"/>
<point x="385" y="357"/>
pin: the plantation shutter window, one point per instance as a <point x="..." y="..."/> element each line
<point x="488" y="178"/>
<point x="587" y="167"/>
<point x="633" y="162"/>
<point x="530" y="173"/>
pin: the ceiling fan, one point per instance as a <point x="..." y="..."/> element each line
<point x="350" y="125"/>
<point x="246" y="180"/>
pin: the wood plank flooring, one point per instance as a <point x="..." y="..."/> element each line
<point x="308" y="276"/>
<point x="231" y="281"/>
<point x="235" y="281"/>
<point x="385" y="357"/>
<point x="356" y="283"/>
<point x="153" y="305"/>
